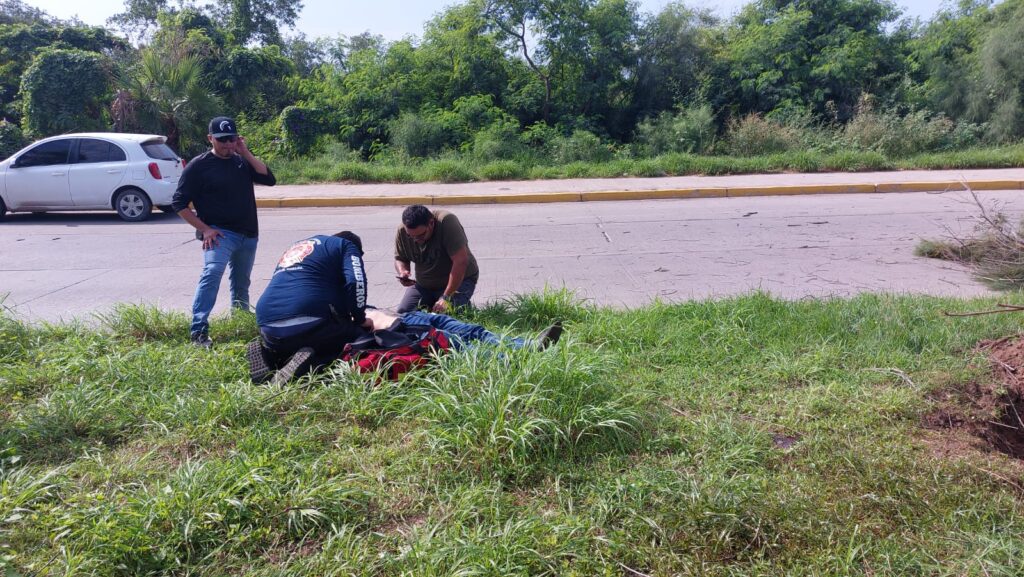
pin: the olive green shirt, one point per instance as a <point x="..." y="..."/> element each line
<point x="433" y="259"/>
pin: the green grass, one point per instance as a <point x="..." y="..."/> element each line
<point x="644" y="442"/>
<point x="453" y="168"/>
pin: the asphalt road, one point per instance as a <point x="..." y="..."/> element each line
<point x="621" y="254"/>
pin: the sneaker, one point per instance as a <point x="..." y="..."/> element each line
<point x="259" y="368"/>
<point x="296" y="366"/>
<point x="201" y="340"/>
<point x="549" y="336"/>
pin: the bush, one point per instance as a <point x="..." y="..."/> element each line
<point x="688" y="130"/>
<point x="47" y="84"/>
<point x="478" y="111"/>
<point x="11" y="139"/>
<point x="897" y="136"/>
<point x="302" y="129"/>
<point x="580" y="146"/>
<point x="499" y="141"/>
<point x="421" y="135"/>
<point x="754" y="135"/>
<point x="539" y="137"/>
<point x="264" y="139"/>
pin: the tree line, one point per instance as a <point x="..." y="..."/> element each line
<point x="499" y="78"/>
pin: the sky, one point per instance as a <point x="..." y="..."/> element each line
<point x="392" y="19"/>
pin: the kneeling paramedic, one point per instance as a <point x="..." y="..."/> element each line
<point x="314" y="305"/>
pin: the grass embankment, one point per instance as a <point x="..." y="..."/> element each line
<point x="737" y="437"/>
<point x="342" y="168"/>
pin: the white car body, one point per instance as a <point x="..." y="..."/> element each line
<point x="98" y="171"/>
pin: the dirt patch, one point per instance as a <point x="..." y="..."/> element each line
<point x="992" y="411"/>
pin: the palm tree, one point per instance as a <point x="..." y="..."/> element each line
<point x="167" y="94"/>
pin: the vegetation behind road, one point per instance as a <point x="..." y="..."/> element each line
<point x="735" y="437"/>
<point x="495" y="89"/>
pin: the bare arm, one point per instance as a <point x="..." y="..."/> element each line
<point x="403" y="272"/>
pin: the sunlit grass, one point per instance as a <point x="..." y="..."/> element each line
<point x="455" y="168"/>
<point x="646" y="441"/>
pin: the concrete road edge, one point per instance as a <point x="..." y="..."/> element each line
<point x="608" y="195"/>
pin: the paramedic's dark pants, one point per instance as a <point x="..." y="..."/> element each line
<point x="327" y="337"/>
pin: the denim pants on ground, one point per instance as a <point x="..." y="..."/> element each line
<point x="417" y="296"/>
<point x="459" y="333"/>
<point x="236" y="250"/>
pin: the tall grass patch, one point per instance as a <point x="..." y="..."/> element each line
<point x="507" y="413"/>
<point x="745" y="436"/>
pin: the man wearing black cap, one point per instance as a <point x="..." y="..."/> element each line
<point x="219" y="184"/>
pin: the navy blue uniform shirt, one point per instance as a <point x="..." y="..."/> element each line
<point x="313" y="275"/>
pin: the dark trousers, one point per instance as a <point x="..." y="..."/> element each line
<point x="327" y="338"/>
<point x="419" y="297"/>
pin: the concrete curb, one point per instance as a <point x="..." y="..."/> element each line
<point x="607" y="195"/>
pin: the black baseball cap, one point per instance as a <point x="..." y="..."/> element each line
<point x="222" y="126"/>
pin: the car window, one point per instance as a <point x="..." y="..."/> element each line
<point x="92" y="150"/>
<point x="47" y="153"/>
<point x="159" y="150"/>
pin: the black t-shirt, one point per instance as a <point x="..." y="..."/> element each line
<point x="221" y="190"/>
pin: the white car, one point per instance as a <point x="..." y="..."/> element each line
<point x="129" y="173"/>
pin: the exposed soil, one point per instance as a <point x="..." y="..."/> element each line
<point x="992" y="411"/>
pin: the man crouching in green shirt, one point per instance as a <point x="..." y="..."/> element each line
<point x="446" y="270"/>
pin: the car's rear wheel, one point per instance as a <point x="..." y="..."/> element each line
<point x="3" y="209"/>
<point x="133" y="205"/>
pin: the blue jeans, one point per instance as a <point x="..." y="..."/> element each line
<point x="459" y="333"/>
<point x="237" y="250"/>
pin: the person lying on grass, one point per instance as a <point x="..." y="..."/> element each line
<point x="407" y="327"/>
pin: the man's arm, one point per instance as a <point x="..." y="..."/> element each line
<point x="261" y="173"/>
<point x="355" y="282"/>
<point x="209" y="233"/>
<point x="402" y="261"/>
<point x="180" y="203"/>
<point x="403" y="272"/>
<point x="460" y="260"/>
<point x="256" y="164"/>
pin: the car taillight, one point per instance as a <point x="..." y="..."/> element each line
<point x="154" y="171"/>
<point x="182" y="162"/>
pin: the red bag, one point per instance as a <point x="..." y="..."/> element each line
<point x="392" y="354"/>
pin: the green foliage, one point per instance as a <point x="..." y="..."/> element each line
<point x="11" y="139"/>
<point x="898" y="136"/>
<point x="422" y="135"/>
<point x="21" y="42"/>
<point x="690" y="130"/>
<point x="303" y="129"/>
<point x="498" y="141"/>
<point x="507" y="417"/>
<point x="713" y="434"/>
<point x="167" y="93"/>
<point x="754" y="135"/>
<point x="580" y="146"/>
<point x="46" y="84"/>
<point x="805" y="54"/>
<point x="255" y="81"/>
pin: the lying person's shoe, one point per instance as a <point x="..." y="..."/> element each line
<point x="201" y="340"/>
<point x="549" y="336"/>
<point x="298" y="365"/>
<point x="259" y="368"/>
